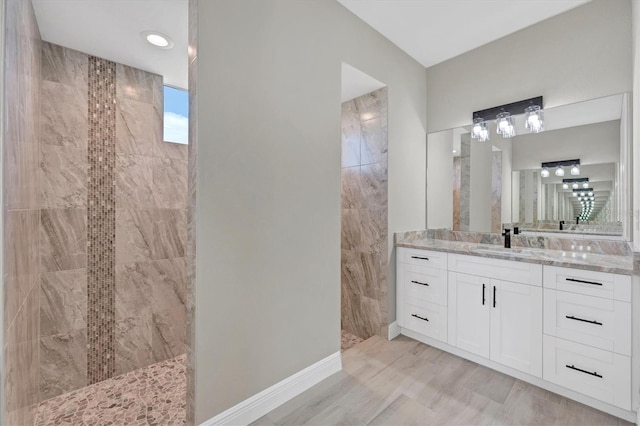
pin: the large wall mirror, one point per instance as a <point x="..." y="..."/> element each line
<point x="486" y="186"/>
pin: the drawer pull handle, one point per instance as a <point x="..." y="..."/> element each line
<point x="418" y="282"/>
<point x="483" y="298"/>
<point x="583" y="282"/>
<point x="494" y="296"/>
<point x="571" y="317"/>
<point x="418" y="257"/>
<point x="419" y="317"/>
<point x="591" y="373"/>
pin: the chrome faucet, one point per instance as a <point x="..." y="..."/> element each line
<point x="561" y="225"/>
<point x="507" y="238"/>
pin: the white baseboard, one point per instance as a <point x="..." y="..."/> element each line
<point x="262" y="403"/>
<point x="394" y="330"/>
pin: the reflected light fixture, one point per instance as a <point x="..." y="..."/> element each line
<point x="559" y="171"/>
<point x="574" y="186"/>
<point x="534" y="119"/>
<point x="575" y="169"/>
<point x="544" y="172"/>
<point x="585" y="184"/>
<point x="480" y="131"/>
<point x="565" y="185"/>
<point x="575" y="182"/>
<point x="504" y="124"/>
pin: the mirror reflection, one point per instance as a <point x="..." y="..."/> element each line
<point x="486" y="186"/>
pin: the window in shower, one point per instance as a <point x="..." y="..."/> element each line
<point x="176" y="115"/>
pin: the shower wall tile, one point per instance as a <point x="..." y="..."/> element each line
<point x="63" y="367"/>
<point x="64" y="65"/>
<point x="63" y="302"/>
<point x="138" y="127"/>
<point x="373" y="142"/>
<point x="64" y="115"/>
<point x="63" y="177"/>
<point x="134" y="182"/>
<point x="133" y="344"/>
<point x="364" y="215"/>
<point x="143" y="235"/>
<point x="20" y="158"/>
<point x="170" y="183"/>
<point x="63" y="239"/>
<point x="135" y="84"/>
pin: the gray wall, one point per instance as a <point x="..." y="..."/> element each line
<point x="582" y="54"/>
<point x="268" y="184"/>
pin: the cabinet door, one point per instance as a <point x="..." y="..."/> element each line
<point x="516" y="326"/>
<point x="469" y="313"/>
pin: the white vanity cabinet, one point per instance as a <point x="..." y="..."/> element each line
<point x="587" y="327"/>
<point x="496" y="319"/>
<point x="422" y="286"/>
<point x="566" y="330"/>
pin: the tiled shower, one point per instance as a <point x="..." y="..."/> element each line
<point x="364" y="216"/>
<point x="95" y="224"/>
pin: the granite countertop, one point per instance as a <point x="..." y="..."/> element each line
<point x="617" y="264"/>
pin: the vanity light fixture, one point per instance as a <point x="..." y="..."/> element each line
<point x="157" y="39"/>
<point x="480" y="131"/>
<point x="534" y="119"/>
<point x="559" y="166"/>
<point x="575" y="183"/>
<point x="504" y="116"/>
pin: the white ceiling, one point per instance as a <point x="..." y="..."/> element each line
<point x="432" y="31"/>
<point x="111" y="29"/>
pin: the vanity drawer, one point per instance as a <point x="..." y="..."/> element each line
<point x="600" y="374"/>
<point x="424" y="285"/>
<point x="594" y="321"/>
<point x="431" y="259"/>
<point x="504" y="270"/>
<point x="429" y="319"/>
<point x="590" y="283"/>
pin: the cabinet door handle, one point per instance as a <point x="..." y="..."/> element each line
<point x="571" y="317"/>
<point x="494" y="296"/>
<point x="582" y="281"/>
<point x="418" y="257"/>
<point x="483" y="289"/>
<point x="591" y="373"/>
<point x="418" y="282"/>
<point x="419" y="317"/>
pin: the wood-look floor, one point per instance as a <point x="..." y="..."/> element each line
<point x="404" y="382"/>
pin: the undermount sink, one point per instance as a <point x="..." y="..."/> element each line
<point x="504" y="251"/>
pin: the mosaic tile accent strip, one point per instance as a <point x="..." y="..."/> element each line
<point x="154" y="395"/>
<point x="101" y="221"/>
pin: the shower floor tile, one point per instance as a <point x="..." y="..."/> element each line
<point x="348" y="341"/>
<point x="154" y="395"/>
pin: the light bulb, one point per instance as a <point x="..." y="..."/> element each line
<point x="575" y="170"/>
<point x="590" y="194"/>
<point x="504" y="124"/>
<point x="565" y="185"/>
<point x="574" y="186"/>
<point x="559" y="171"/>
<point x="544" y="172"/>
<point x="585" y="185"/>
<point x="534" y="119"/>
<point x="480" y="130"/>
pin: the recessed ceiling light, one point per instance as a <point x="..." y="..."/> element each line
<point x="157" y="39"/>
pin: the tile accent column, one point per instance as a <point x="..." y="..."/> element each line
<point x="101" y="221"/>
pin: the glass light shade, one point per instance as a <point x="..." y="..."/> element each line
<point x="585" y="185"/>
<point x="480" y="131"/>
<point x="592" y="198"/>
<point x="575" y="170"/>
<point x="575" y="194"/>
<point x="565" y="185"/>
<point x="574" y="186"/>
<point x="504" y="124"/>
<point x="590" y="194"/>
<point x="534" y="119"/>
<point x="559" y="171"/>
<point x="544" y="172"/>
<point x="582" y="194"/>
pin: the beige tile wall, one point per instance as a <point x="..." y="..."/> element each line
<point x="364" y="215"/>
<point x="21" y="212"/>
